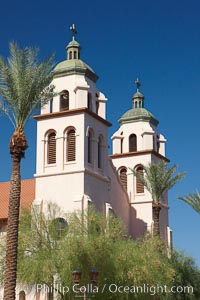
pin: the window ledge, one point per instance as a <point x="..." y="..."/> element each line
<point x="50" y="165"/>
<point x="139" y="194"/>
<point x="70" y="162"/>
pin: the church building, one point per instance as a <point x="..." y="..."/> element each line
<point x="73" y="166"/>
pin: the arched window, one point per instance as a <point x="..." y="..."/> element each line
<point x="100" y="152"/>
<point x="71" y="145"/>
<point x="75" y="55"/>
<point x="89" y="101"/>
<point x="90" y="136"/>
<point x="132" y="143"/>
<point x="139" y="185"/>
<point x="58" y="227"/>
<point x="123" y="177"/>
<point x="64" y="100"/>
<point x="22" y="295"/>
<point x="51" y="148"/>
<point x="70" y="55"/>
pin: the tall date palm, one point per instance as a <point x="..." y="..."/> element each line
<point x="24" y="83"/>
<point x="158" y="179"/>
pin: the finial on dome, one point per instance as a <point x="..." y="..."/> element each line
<point x="138" y="84"/>
<point x="74" y="31"/>
<point x="138" y="98"/>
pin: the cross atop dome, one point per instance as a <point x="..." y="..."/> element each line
<point x="138" y="84"/>
<point x="74" y="31"/>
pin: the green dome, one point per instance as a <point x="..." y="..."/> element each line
<point x="74" y="66"/>
<point x="138" y="114"/>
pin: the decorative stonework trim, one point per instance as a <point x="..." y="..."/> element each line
<point x="142" y="152"/>
<point x="73" y="112"/>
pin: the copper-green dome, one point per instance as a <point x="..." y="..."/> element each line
<point x="138" y="114"/>
<point x="74" y="66"/>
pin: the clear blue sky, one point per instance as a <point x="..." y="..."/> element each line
<point x="157" y="41"/>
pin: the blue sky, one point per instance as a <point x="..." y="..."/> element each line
<point x="157" y="41"/>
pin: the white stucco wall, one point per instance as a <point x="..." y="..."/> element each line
<point x="59" y="124"/>
<point x="78" y="87"/>
<point x="118" y="197"/>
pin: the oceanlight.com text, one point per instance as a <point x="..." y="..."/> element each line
<point x="114" y="289"/>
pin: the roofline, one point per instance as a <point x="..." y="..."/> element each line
<point x="26" y="179"/>
<point x="75" y="111"/>
<point x="132" y="119"/>
<point x="142" y="152"/>
<point x="75" y="70"/>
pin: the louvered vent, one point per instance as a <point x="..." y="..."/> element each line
<point x="123" y="177"/>
<point x="71" y="145"/>
<point x="51" y="148"/>
<point x="139" y="185"/>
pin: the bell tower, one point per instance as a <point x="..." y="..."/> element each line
<point x="72" y="135"/>
<point x="137" y="143"/>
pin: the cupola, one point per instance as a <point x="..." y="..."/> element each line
<point x="73" y="64"/>
<point x="138" y="98"/>
<point x="138" y="112"/>
<point x="73" y="48"/>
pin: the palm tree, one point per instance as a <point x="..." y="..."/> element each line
<point x="24" y="84"/>
<point x="193" y="200"/>
<point x="158" y="179"/>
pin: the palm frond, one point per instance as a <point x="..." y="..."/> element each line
<point x="158" y="178"/>
<point x="193" y="200"/>
<point x="24" y="83"/>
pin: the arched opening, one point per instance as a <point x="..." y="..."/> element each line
<point x="121" y="145"/>
<point x="51" y="148"/>
<point x="51" y="105"/>
<point x="97" y="107"/>
<point x="90" y="146"/>
<point x="123" y="177"/>
<point x="132" y="143"/>
<point x="89" y="101"/>
<point x="75" y="55"/>
<point x="64" y="100"/>
<point x="139" y="184"/>
<point x="58" y="227"/>
<point x="70" y="54"/>
<point x="71" y="145"/>
<point x="22" y="295"/>
<point x="158" y="143"/>
<point x="100" y="152"/>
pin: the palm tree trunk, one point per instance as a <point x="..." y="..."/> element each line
<point x="156" y="218"/>
<point x="18" y="145"/>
